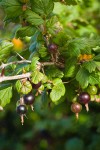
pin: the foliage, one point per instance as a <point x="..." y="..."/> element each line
<point x="63" y="74"/>
<point x="36" y="22"/>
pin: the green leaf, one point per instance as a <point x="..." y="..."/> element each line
<point x="88" y="44"/>
<point x="33" y="18"/>
<point x="70" y="72"/>
<point x="54" y="72"/>
<point x="90" y="66"/>
<point x="94" y="41"/>
<point x="83" y="77"/>
<point x="97" y="57"/>
<point x="98" y="65"/>
<point x="18" y="85"/>
<point x="26" y="88"/>
<point x="70" y="67"/>
<point x="81" y="45"/>
<point x="70" y="90"/>
<point x="43" y="51"/>
<point x="56" y="81"/>
<point x="12" y="8"/>
<point x="5" y="95"/>
<point x="43" y="7"/>
<point x="26" y="31"/>
<point x="32" y="47"/>
<point x="45" y="79"/>
<point x="5" y="46"/>
<point x="73" y="49"/>
<point x="97" y="49"/>
<point x="34" y="63"/>
<point x="23" y="87"/>
<point x="57" y="91"/>
<point x="94" y="79"/>
<point x="76" y="45"/>
<point x="5" y="49"/>
<point x="36" y="77"/>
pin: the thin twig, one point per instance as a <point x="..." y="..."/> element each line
<point x="28" y="61"/>
<point x="20" y="56"/>
<point x="26" y="75"/>
<point x="61" y="65"/>
<point x="16" y="77"/>
<point x="69" y="81"/>
<point x="15" y="62"/>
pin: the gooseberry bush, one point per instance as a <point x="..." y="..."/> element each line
<point x="48" y="56"/>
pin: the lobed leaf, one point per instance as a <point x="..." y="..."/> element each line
<point x="33" y="18"/>
<point x="5" y="49"/>
<point x="94" y="79"/>
<point x="34" y="63"/>
<point x="26" y="31"/>
<point x="70" y="67"/>
<point x="12" y="8"/>
<point x="54" y="72"/>
<point x="90" y="66"/>
<point x="42" y="7"/>
<point x="23" y="87"/>
<point x="83" y="77"/>
<point x="36" y="76"/>
<point x="5" y="95"/>
<point x="57" y="91"/>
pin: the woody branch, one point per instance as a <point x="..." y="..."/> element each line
<point x="25" y="75"/>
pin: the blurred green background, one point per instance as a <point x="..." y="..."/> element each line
<point x="54" y="127"/>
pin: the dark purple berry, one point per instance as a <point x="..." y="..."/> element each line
<point x="36" y="86"/>
<point x="29" y="99"/>
<point x="21" y="109"/>
<point x="84" y="98"/>
<point x="76" y="108"/>
<point x="52" y="48"/>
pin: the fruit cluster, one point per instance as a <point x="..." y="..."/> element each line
<point x="85" y="98"/>
<point x="26" y="100"/>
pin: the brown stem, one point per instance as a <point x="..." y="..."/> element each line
<point x="2" y="72"/>
<point x="21" y="101"/>
<point x="77" y="116"/>
<point x="32" y="107"/>
<point x="26" y="75"/>
<point x="22" y="119"/>
<point x="87" y="107"/>
<point x="15" y="62"/>
<point x="16" y="77"/>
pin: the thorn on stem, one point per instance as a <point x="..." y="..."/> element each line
<point x="20" y="56"/>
